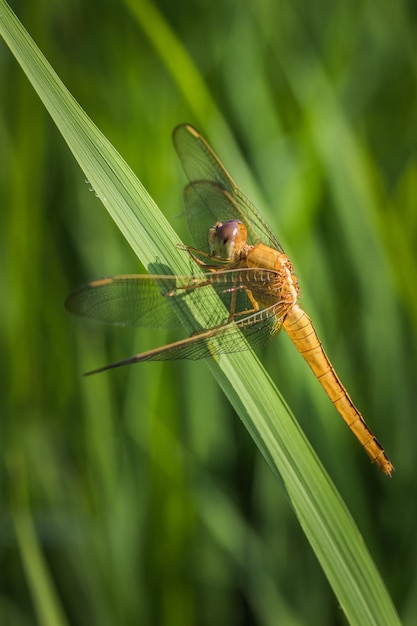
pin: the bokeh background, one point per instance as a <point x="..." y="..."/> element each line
<point x="136" y="496"/>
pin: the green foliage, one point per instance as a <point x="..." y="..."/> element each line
<point x="136" y="496"/>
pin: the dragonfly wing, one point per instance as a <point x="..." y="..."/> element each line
<point x="250" y="332"/>
<point x="200" y="163"/>
<point x="126" y="300"/>
<point x="198" y="159"/>
<point x="205" y="204"/>
<point x="151" y="300"/>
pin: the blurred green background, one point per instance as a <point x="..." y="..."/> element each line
<point x="137" y="494"/>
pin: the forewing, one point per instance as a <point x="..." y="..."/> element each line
<point x="205" y="204"/>
<point x="201" y="165"/>
<point x="198" y="159"/>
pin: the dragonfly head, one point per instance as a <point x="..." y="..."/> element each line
<point x="226" y="239"/>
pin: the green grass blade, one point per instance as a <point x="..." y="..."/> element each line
<point x="323" y="516"/>
<point x="46" y="599"/>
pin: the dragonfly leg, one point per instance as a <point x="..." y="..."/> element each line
<point x="232" y="307"/>
<point x="191" y="287"/>
<point x="195" y="254"/>
<point x="233" y="312"/>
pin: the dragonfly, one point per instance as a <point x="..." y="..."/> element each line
<point x="238" y="257"/>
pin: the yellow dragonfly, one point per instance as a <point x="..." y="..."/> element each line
<point x="244" y="263"/>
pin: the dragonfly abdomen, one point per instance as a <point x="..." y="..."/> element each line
<point x="301" y="331"/>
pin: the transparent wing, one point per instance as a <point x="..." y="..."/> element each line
<point x="250" y="332"/>
<point x="126" y="300"/>
<point x="150" y="300"/>
<point x="201" y="165"/>
<point x="205" y="204"/>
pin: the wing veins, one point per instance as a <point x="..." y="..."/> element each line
<point x="250" y="332"/>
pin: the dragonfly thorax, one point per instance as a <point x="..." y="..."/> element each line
<point x="227" y="239"/>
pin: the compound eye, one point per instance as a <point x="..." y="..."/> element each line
<point x="222" y="239"/>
